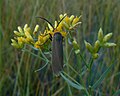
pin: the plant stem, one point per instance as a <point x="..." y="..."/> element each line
<point x="66" y="51"/>
<point x="17" y="75"/>
<point x="84" y="60"/>
<point x="90" y="75"/>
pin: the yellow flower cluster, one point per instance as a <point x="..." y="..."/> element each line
<point x="38" y="40"/>
<point x="70" y="22"/>
<point x="23" y="36"/>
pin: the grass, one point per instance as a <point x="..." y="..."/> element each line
<point x="17" y="68"/>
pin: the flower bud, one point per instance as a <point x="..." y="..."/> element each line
<point x="50" y="27"/>
<point x="72" y="17"/>
<point x="109" y="44"/>
<point x="25" y="26"/>
<point x="20" y="29"/>
<point x="14" y="44"/>
<point x="96" y="46"/>
<point x="36" y="28"/>
<point x="17" y="33"/>
<point x="89" y="47"/>
<point x="76" y="46"/>
<point x="100" y="35"/>
<point x="13" y="41"/>
<point x="107" y="37"/>
<point x="77" y="51"/>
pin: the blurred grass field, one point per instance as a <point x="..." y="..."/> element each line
<point x="17" y="76"/>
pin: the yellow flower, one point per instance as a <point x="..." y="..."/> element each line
<point x="63" y="33"/>
<point x="57" y="28"/>
<point x="70" y="22"/>
<point x="75" y="20"/>
<point x="67" y="20"/>
<point x="28" y="37"/>
<point x="43" y="38"/>
<point x="37" y="45"/>
<point x="20" y="42"/>
<point x="23" y="36"/>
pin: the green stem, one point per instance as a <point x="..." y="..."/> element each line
<point x="66" y="51"/>
<point x="44" y="56"/>
<point x="17" y="75"/>
<point x="84" y="61"/>
<point x="90" y="75"/>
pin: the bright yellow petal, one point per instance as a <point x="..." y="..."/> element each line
<point x="75" y="20"/>
<point x="67" y="20"/>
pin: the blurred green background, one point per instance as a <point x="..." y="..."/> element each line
<point x="17" y="76"/>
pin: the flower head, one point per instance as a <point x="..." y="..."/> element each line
<point x="70" y="22"/>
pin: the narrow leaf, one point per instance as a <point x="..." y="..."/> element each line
<point x="41" y="67"/>
<point x="98" y="82"/>
<point x="77" y="86"/>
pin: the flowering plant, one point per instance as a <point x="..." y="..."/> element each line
<point x="62" y="30"/>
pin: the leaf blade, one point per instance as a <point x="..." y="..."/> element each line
<point x="79" y="87"/>
<point x="102" y="76"/>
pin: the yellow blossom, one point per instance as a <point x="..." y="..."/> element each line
<point x="75" y="20"/>
<point x="29" y="37"/>
<point x="37" y="45"/>
<point x="70" y="22"/>
<point x="42" y="39"/>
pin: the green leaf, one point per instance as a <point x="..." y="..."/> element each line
<point x="42" y="67"/>
<point x="98" y="82"/>
<point x="26" y="50"/>
<point x="77" y="86"/>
